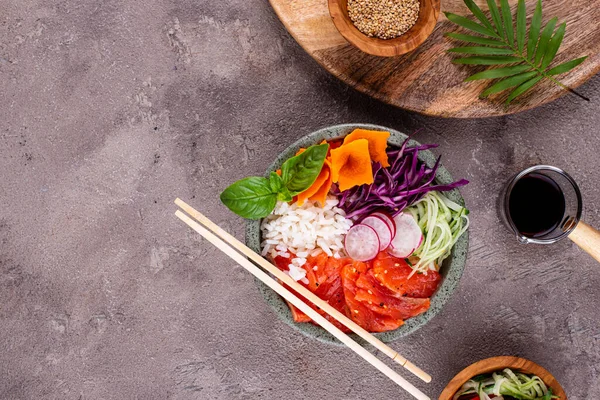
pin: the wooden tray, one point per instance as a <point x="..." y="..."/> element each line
<point x="425" y="80"/>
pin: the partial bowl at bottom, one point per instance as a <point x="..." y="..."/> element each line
<point x="494" y="364"/>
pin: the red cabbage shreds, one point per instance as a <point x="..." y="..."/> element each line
<point x="404" y="182"/>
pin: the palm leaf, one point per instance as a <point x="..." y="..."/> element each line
<point x="499" y="72"/>
<point x="470" y="25"/>
<point x="553" y="45"/>
<point x="479" y="14"/>
<point x="475" y="39"/>
<point x="496" y="16"/>
<point x="521" y="25"/>
<point x="523" y="88"/>
<point x="544" y="40"/>
<point x="482" y="50"/>
<point x="508" y="24"/>
<point x="523" y="58"/>
<point x="534" y="29"/>
<point x="509" y="83"/>
<point x="566" y="66"/>
<point x="487" y="60"/>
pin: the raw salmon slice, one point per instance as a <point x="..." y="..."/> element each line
<point x="393" y="273"/>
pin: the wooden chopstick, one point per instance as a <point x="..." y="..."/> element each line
<point x="289" y="296"/>
<point x="242" y="248"/>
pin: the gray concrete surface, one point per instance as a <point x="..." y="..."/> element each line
<point x="110" y="109"/>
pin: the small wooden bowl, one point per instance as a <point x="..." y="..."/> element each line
<point x="410" y="40"/>
<point x="497" y="364"/>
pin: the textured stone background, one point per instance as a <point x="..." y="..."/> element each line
<point x="110" y="109"/>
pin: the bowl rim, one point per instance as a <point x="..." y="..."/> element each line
<point x="402" y="44"/>
<point x="452" y="268"/>
<point x="498" y="363"/>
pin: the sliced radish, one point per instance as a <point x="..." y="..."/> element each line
<point x="381" y="228"/>
<point x="388" y="220"/>
<point x="408" y="236"/>
<point x="362" y="243"/>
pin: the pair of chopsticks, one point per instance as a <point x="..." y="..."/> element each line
<point x="242" y="254"/>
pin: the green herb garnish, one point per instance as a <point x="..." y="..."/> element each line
<point x="524" y="56"/>
<point x="255" y="197"/>
<point x="250" y="197"/>
<point x="507" y="383"/>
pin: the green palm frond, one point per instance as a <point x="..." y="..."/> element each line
<point x="523" y="56"/>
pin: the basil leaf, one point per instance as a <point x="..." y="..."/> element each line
<point x="275" y="182"/>
<point x="250" y="198"/>
<point x="284" y="195"/>
<point x="300" y="172"/>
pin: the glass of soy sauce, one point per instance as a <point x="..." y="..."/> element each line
<point x="542" y="204"/>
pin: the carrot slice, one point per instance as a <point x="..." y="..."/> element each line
<point x="351" y="164"/>
<point x="377" y="144"/>
<point x="318" y="186"/>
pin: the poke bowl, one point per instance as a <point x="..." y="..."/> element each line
<point x="448" y="273"/>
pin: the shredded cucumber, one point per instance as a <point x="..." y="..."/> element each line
<point x="442" y="222"/>
<point x="507" y="383"/>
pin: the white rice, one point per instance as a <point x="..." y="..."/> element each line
<point x="305" y="231"/>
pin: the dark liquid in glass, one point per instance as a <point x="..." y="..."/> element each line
<point x="536" y="205"/>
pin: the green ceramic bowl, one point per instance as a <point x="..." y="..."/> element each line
<point x="451" y="269"/>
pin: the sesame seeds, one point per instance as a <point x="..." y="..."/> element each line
<point x="385" y="19"/>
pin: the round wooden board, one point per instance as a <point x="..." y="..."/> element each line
<point x="425" y="80"/>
